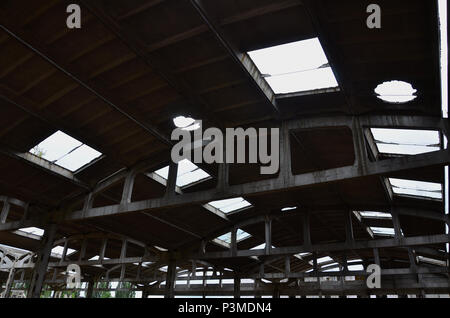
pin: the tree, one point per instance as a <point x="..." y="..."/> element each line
<point x="101" y="293"/>
<point x="125" y="293"/>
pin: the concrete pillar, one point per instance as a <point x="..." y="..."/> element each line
<point x="257" y="285"/>
<point x="90" y="290"/>
<point x="276" y="291"/>
<point x="237" y="287"/>
<point x="170" y="279"/>
<point x="9" y="283"/>
<point x="40" y="268"/>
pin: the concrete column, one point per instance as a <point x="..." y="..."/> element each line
<point x="9" y="283"/>
<point x="306" y="229"/>
<point x="172" y="179"/>
<point x="90" y="290"/>
<point x="40" y="268"/>
<point x="237" y="286"/>
<point x="276" y="291"/>
<point x="257" y="285"/>
<point x="268" y="234"/>
<point x="170" y="280"/>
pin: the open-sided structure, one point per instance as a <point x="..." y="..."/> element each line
<point x="86" y="116"/>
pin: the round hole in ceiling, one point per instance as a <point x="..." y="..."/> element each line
<point x="396" y="92"/>
<point x="187" y="123"/>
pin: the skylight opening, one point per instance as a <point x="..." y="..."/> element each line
<point x="415" y="188"/>
<point x="230" y="205"/>
<point x="405" y="141"/>
<point x="58" y="251"/>
<point x="375" y="215"/>
<point x="96" y="258"/>
<point x="395" y="92"/>
<point x="301" y="255"/>
<point x="260" y="246"/>
<point x="33" y="230"/>
<point x="240" y="236"/>
<point x="288" y="208"/>
<point x="325" y="259"/>
<point x="295" y="67"/>
<point x="382" y="231"/>
<point x="65" y="151"/>
<point x="188" y="173"/>
<point x="187" y="123"/>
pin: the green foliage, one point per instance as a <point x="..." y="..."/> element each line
<point x="127" y="293"/>
<point x="100" y="293"/>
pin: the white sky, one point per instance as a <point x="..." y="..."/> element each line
<point x="229" y="205"/>
<point x="294" y="67"/>
<point x="187" y="173"/>
<point x="396" y="91"/>
<point x="406" y="141"/>
<point x="240" y="235"/>
<point x="66" y="151"/>
<point x="417" y="188"/>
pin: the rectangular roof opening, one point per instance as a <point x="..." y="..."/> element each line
<point x="383" y="231"/>
<point x="405" y="141"/>
<point x="420" y="189"/>
<point x="295" y="67"/>
<point x="240" y="236"/>
<point x="65" y="151"/>
<point x="57" y="251"/>
<point x="230" y="205"/>
<point x="188" y="174"/>
<point x="33" y="230"/>
<point x="375" y="215"/>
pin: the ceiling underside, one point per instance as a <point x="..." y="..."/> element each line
<point x="117" y="83"/>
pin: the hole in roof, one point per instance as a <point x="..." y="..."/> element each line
<point x="57" y="251"/>
<point x="321" y="260"/>
<point x="188" y="173"/>
<point x="396" y="92"/>
<point x="160" y="248"/>
<point x="301" y="255"/>
<point x="65" y="151"/>
<point x="97" y="257"/>
<point x="261" y="246"/>
<point x="423" y="259"/>
<point x="375" y="215"/>
<point x="33" y="230"/>
<point x="295" y="67"/>
<point x="240" y="236"/>
<point x="230" y="205"/>
<point x="382" y="231"/>
<point x="187" y="123"/>
<point x="405" y="141"/>
<point x="416" y="188"/>
<point x="288" y="208"/>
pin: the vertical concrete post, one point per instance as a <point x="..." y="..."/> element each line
<point x="40" y="268"/>
<point x="276" y="291"/>
<point x="268" y="234"/>
<point x="172" y="179"/>
<point x="5" y="211"/>
<point x="306" y="229"/>
<point x="9" y="282"/>
<point x="90" y="290"/>
<point x="233" y="244"/>
<point x="237" y="286"/>
<point x="170" y="280"/>
<point x="128" y="188"/>
<point x="348" y="226"/>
